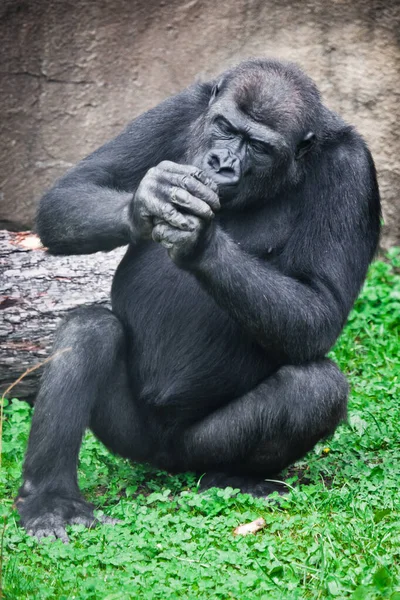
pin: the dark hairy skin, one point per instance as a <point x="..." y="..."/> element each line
<point x="251" y="212"/>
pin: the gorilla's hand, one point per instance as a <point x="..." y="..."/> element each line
<point x="183" y="246"/>
<point x="180" y="197"/>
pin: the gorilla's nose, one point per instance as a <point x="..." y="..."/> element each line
<point x="225" y="166"/>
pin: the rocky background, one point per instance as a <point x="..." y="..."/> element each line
<point x="73" y="73"/>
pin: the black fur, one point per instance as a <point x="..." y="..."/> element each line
<point x="213" y="357"/>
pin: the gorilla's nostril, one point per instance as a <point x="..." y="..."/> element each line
<point x="214" y="163"/>
<point x="225" y="167"/>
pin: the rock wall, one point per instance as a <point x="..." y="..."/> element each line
<point x="74" y="73"/>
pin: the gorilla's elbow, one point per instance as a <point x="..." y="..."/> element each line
<point x="49" y="223"/>
<point x="313" y="340"/>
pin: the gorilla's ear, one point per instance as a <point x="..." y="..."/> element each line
<point x="215" y="91"/>
<point x="305" y="145"/>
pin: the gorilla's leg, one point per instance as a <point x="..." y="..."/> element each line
<point x="269" y="428"/>
<point x="84" y="385"/>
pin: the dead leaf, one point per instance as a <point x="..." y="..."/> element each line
<point x="252" y="527"/>
<point x="28" y="240"/>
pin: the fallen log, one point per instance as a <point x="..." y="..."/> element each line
<point x="36" y="291"/>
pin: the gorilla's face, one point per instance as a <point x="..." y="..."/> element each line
<point x="239" y="147"/>
<point x="252" y="136"/>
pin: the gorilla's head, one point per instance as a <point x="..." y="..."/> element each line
<point x="262" y="119"/>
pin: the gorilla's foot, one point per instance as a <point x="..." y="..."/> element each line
<point x="255" y="486"/>
<point x="47" y="514"/>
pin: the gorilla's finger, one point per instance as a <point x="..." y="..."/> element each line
<point x="169" y="214"/>
<point x="196" y="188"/>
<point x="177" y="168"/>
<point x="193" y="223"/>
<point x="193" y="172"/>
<point x="201" y="176"/>
<point x="169" y="236"/>
<point x="166" y="167"/>
<point x="191" y="203"/>
<point x="201" y="190"/>
<point x="163" y="231"/>
<point x="161" y="234"/>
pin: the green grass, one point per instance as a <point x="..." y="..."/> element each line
<point x="336" y="535"/>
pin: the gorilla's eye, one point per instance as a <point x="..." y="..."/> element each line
<point x="260" y="147"/>
<point x="224" y="126"/>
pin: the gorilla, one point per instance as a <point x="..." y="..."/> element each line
<point x="251" y="213"/>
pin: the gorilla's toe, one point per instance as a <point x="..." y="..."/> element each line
<point x="47" y="514"/>
<point x="255" y="486"/>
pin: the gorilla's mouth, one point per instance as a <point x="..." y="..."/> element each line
<point x="227" y="182"/>
<point x="226" y="185"/>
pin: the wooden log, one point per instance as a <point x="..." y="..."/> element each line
<point x="36" y="291"/>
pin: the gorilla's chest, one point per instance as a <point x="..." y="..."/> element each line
<point x="262" y="233"/>
<point x="182" y="342"/>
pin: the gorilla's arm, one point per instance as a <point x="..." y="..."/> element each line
<point x="87" y="209"/>
<point x="296" y="321"/>
<point x="298" y="308"/>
